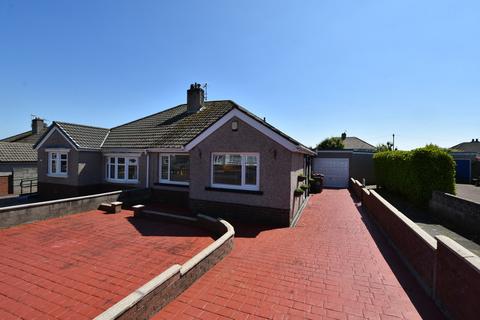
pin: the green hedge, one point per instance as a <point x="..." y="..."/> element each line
<point x="415" y="174"/>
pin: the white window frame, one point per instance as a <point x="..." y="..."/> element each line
<point x="168" y="181"/>
<point x="127" y="158"/>
<point x="243" y="186"/>
<point x="58" y="162"/>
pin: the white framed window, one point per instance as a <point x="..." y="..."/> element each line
<point x="174" y="168"/>
<point x="235" y="171"/>
<point x="122" y="169"/>
<point x="58" y="162"/>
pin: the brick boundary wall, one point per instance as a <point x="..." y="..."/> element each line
<point x="19" y="214"/>
<point x="457" y="212"/>
<point x="448" y="272"/>
<point x="149" y="299"/>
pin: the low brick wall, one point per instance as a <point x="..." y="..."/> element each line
<point x="460" y="213"/>
<point x="245" y="213"/>
<point x="15" y="215"/>
<point x="147" y="300"/>
<point x="448" y="272"/>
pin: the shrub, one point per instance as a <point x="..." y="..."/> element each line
<point x="415" y="174"/>
<point x="333" y="143"/>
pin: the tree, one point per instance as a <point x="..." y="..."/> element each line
<point x="333" y="143"/>
<point x="383" y="147"/>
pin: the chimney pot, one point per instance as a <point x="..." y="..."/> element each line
<point x="195" y="98"/>
<point x="344" y="136"/>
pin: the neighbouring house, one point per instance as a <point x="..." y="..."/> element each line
<point x="354" y="160"/>
<point x="18" y="160"/>
<point x="213" y="156"/>
<point x="467" y="160"/>
<point x="38" y="129"/>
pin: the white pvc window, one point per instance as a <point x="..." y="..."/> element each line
<point x="235" y="171"/>
<point x="122" y="169"/>
<point x="174" y="168"/>
<point x="58" y="163"/>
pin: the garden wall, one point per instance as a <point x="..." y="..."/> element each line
<point x="460" y="213"/>
<point x="15" y="215"/>
<point x="449" y="273"/>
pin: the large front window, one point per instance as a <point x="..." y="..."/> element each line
<point x="122" y="169"/>
<point x="235" y="170"/>
<point x="175" y="168"/>
<point x="58" y="163"/>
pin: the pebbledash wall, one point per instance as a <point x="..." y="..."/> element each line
<point x="273" y="204"/>
<point x="447" y="271"/>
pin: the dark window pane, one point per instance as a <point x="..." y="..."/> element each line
<point x="132" y="172"/>
<point x="121" y="160"/>
<point x="121" y="171"/>
<point x="164" y="168"/>
<point x="63" y="156"/>
<point x="112" y="171"/>
<point x="179" y="168"/>
<point x="227" y="169"/>
<point x="251" y="175"/>
<point x="63" y="166"/>
<point x="53" y="166"/>
<point x="112" y="160"/>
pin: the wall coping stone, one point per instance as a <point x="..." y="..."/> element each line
<point x="133" y="298"/>
<point x="38" y="204"/>
<point x="460" y="251"/>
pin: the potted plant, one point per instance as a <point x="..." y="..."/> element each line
<point x="304" y="187"/>
<point x="301" y="177"/>
<point x="298" y="192"/>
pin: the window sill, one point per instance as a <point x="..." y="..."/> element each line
<point x="256" y="192"/>
<point x="123" y="181"/>
<point x="52" y="175"/>
<point x="164" y="184"/>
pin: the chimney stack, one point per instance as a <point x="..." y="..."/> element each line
<point x="37" y="125"/>
<point x="195" y="98"/>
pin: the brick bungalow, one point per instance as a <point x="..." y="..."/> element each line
<point x="214" y="156"/>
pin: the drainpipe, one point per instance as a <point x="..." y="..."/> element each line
<point x="148" y="169"/>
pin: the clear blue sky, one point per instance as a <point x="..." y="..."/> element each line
<point x="312" y="68"/>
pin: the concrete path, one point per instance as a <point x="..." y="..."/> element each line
<point x="333" y="265"/>
<point x="468" y="191"/>
<point x="78" y="266"/>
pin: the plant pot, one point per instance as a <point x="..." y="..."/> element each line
<point x="301" y="178"/>
<point x="298" y="192"/>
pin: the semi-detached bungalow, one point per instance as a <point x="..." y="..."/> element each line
<point x="213" y="156"/>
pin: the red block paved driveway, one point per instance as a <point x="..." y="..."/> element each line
<point x="77" y="266"/>
<point x="328" y="267"/>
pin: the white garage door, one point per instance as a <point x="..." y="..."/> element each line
<point x="334" y="169"/>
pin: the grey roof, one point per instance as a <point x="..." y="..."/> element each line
<point x="355" y="143"/>
<point x="17" y="152"/>
<point x="25" y="137"/>
<point x="172" y="128"/>
<point x="473" y="146"/>
<point x="84" y="137"/>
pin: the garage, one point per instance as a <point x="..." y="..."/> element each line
<point x="336" y="171"/>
